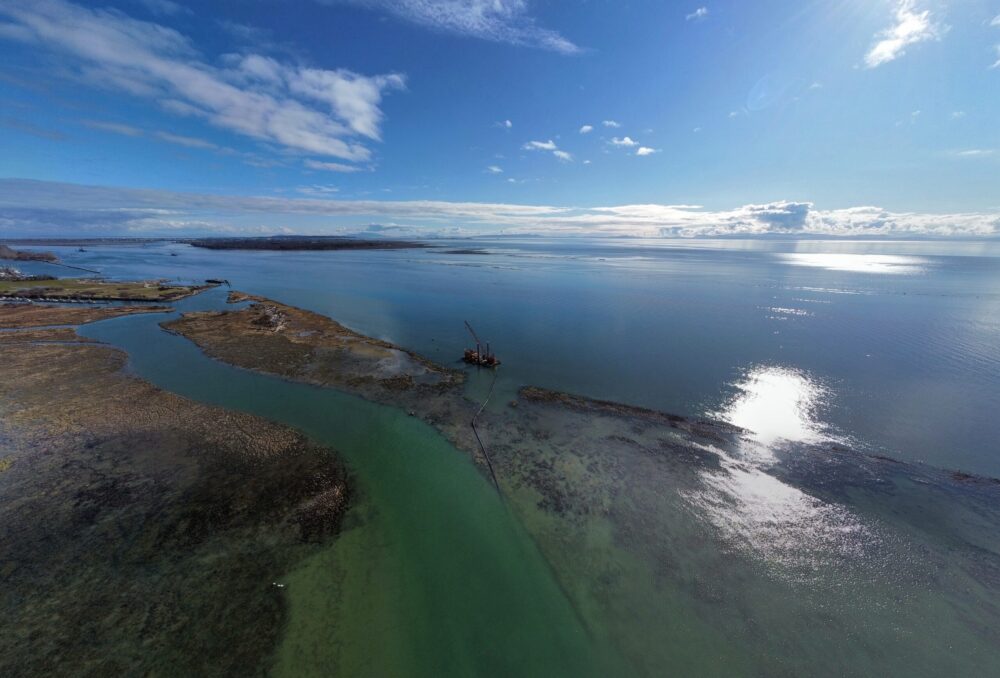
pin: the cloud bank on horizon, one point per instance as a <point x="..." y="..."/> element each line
<point x="37" y="208"/>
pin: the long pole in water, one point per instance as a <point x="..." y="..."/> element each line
<point x="486" y="455"/>
<point x="482" y="447"/>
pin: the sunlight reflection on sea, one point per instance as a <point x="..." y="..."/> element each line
<point x="758" y="513"/>
<point x="858" y="263"/>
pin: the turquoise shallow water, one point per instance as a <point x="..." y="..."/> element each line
<point x="437" y="577"/>
<point x="777" y="559"/>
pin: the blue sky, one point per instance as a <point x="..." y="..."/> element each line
<point x="466" y="116"/>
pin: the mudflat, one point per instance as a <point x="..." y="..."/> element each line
<point x="297" y="344"/>
<point x="41" y="315"/>
<point x="144" y="533"/>
<point x="86" y="289"/>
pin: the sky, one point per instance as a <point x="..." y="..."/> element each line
<point x="655" y="118"/>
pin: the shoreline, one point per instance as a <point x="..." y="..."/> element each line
<point x="237" y="333"/>
<point x="75" y="290"/>
<point x="301" y="244"/>
<point x="172" y="515"/>
<point x="636" y="511"/>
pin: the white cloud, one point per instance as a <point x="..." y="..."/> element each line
<point x="177" y="139"/>
<point x="697" y="15"/>
<point x="331" y="166"/>
<point x="996" y="24"/>
<point x="696" y="130"/>
<point x="25" y="208"/>
<point x="976" y="153"/>
<point x="317" y="189"/>
<point x="646" y="150"/>
<point x="548" y="146"/>
<point x="627" y="142"/>
<point x="504" y="21"/>
<point x="15" y="32"/>
<point x="494" y="169"/>
<point x="540" y="146"/>
<point x="910" y="27"/>
<point x="734" y="114"/>
<point x="957" y="115"/>
<point x="586" y="129"/>
<point x="113" y="127"/>
<point x="299" y="108"/>
<point x="188" y="142"/>
<point x="505" y="124"/>
<point x="611" y="123"/>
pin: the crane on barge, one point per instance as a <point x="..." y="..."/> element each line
<point x="478" y="357"/>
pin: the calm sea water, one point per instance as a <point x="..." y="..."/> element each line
<point x="812" y="566"/>
<point x="893" y="347"/>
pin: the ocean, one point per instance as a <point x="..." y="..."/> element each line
<point x="890" y="347"/>
<point x="788" y="557"/>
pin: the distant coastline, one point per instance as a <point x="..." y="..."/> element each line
<point x="290" y="243"/>
<point x="269" y="243"/>
<point x="10" y="253"/>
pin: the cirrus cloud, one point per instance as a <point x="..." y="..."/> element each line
<point x="331" y="166"/>
<point x="505" y="21"/>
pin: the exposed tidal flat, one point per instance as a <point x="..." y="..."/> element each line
<point x="141" y="531"/>
<point x="626" y="541"/>
<point x="84" y="289"/>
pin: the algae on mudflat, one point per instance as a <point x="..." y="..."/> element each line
<point x="143" y="533"/>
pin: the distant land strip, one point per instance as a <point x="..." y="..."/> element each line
<point x="301" y="243"/>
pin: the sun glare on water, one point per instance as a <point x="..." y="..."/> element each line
<point x="776" y="403"/>
<point x="758" y="513"/>
<point x="885" y="264"/>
